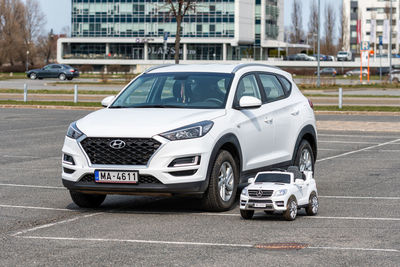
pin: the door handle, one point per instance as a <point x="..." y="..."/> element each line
<point x="296" y="113"/>
<point x="268" y="121"/>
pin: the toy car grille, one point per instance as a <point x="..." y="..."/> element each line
<point x="143" y="179"/>
<point x="252" y="201"/>
<point x="261" y="193"/>
<point x="137" y="151"/>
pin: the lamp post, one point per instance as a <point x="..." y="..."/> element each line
<point x="27" y="60"/>
<point x="319" y="44"/>
<point x="390" y="40"/>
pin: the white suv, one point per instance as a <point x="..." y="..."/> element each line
<point x="190" y="130"/>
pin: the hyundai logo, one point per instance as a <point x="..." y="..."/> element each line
<point x="259" y="193"/>
<point x="117" y="144"/>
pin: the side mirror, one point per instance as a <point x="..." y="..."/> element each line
<point x="251" y="180"/>
<point x="107" y="101"/>
<point x="249" y="102"/>
<point x="299" y="181"/>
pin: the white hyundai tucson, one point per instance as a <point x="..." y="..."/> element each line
<point x="190" y="130"/>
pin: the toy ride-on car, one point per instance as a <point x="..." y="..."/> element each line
<point x="285" y="191"/>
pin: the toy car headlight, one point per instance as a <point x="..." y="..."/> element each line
<point x="245" y="192"/>
<point x="281" y="192"/>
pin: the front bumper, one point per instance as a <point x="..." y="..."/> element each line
<point x="267" y="204"/>
<point x="194" y="182"/>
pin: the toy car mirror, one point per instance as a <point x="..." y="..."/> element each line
<point x="251" y="180"/>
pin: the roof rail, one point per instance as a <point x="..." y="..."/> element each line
<point x="157" y="67"/>
<point x="244" y="65"/>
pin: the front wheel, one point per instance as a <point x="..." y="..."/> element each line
<point x="32" y="76"/>
<point x="247" y="214"/>
<point x="87" y="200"/>
<point x="223" y="181"/>
<point x="291" y="211"/>
<point x="305" y="157"/>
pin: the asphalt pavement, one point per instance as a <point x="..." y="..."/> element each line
<point x="358" y="224"/>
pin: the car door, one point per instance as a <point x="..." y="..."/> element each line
<point x="55" y="71"/>
<point x="255" y="126"/>
<point x="286" y="114"/>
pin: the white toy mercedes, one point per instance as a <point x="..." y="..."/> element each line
<point x="285" y="191"/>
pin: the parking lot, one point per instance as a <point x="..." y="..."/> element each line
<point x="357" y="176"/>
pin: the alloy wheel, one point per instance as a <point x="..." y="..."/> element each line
<point x="225" y="181"/>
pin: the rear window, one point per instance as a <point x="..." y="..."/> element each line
<point x="273" y="178"/>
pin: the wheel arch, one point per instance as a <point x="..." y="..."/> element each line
<point x="309" y="134"/>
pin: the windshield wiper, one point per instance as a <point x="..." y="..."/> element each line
<point x="156" y="106"/>
<point x="118" y="107"/>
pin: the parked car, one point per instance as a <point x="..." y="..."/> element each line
<point x="324" y="57"/>
<point x="394" y="76"/>
<point x="283" y="191"/>
<point x="60" y="71"/>
<point x="190" y="130"/>
<point x="327" y="71"/>
<point x="356" y="72"/>
<point x="300" y="57"/>
<point x="344" y="56"/>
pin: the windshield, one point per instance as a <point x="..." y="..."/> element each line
<point x="342" y="53"/>
<point x="176" y="90"/>
<point x="273" y="178"/>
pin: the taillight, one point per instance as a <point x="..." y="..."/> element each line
<point x="311" y="104"/>
<point x="71" y="70"/>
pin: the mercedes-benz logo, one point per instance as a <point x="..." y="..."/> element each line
<point x="117" y="144"/>
<point x="259" y="193"/>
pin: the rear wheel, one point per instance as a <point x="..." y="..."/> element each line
<point x="291" y="211"/>
<point x="305" y="157"/>
<point x="87" y="200"/>
<point x="62" y="77"/>
<point x="32" y="76"/>
<point x="247" y="214"/>
<point x="222" y="187"/>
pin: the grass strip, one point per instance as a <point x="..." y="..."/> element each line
<point x="358" y="108"/>
<point x="58" y="92"/>
<point x="51" y="103"/>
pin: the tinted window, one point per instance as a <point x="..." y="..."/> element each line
<point x="56" y="67"/>
<point x="248" y="87"/>
<point x="273" y="178"/>
<point x="272" y="87"/>
<point x="287" y="86"/>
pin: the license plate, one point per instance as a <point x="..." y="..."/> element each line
<point x="260" y="205"/>
<point x="130" y="177"/>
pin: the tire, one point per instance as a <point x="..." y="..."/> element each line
<point x="247" y="214"/>
<point x="33" y="76"/>
<point x="313" y="205"/>
<point x="87" y="200"/>
<point x="62" y="77"/>
<point x="291" y="209"/>
<point x="223" y="181"/>
<point x="69" y="79"/>
<point x="305" y="157"/>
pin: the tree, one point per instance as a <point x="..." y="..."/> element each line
<point x="47" y="47"/>
<point x="179" y="9"/>
<point x="343" y="29"/>
<point x="330" y="25"/>
<point x="297" y="22"/>
<point x="313" y="22"/>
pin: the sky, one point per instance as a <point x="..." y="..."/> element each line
<point x="58" y="12"/>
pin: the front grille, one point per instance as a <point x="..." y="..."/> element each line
<point x="137" y="151"/>
<point x="143" y="179"/>
<point x="260" y="201"/>
<point x="264" y="193"/>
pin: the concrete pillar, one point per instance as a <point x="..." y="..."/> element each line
<point x="224" y="51"/>
<point x="146" y="51"/>
<point x="261" y="53"/>
<point x="184" y="51"/>
<point x="107" y="49"/>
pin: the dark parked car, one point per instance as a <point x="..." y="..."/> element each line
<point x="327" y="71"/>
<point x="63" y="72"/>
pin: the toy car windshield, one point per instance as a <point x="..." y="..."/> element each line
<point x="273" y="178"/>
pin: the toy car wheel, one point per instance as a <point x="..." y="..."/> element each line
<point x="305" y="157"/>
<point x="247" y="214"/>
<point x="224" y="177"/>
<point x="87" y="200"/>
<point x="291" y="211"/>
<point x="313" y="205"/>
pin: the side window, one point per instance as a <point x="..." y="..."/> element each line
<point x="287" y="86"/>
<point x="248" y="87"/>
<point x="272" y="87"/>
<point x="55" y="67"/>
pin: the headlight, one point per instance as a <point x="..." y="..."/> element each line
<point x="189" y="132"/>
<point x="281" y="192"/>
<point x="245" y="192"/>
<point x="73" y="131"/>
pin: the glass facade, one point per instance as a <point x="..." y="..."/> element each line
<point x="150" y="18"/>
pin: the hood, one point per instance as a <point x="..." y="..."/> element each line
<point x="267" y="186"/>
<point x="141" y="122"/>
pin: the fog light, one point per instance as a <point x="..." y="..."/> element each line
<point x="68" y="159"/>
<point x="279" y="203"/>
<point x="187" y="161"/>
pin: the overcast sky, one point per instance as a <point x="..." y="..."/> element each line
<point x="58" y="12"/>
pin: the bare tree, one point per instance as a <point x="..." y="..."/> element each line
<point x="313" y="22"/>
<point x="330" y="25"/>
<point x="297" y="22"/>
<point x="179" y="9"/>
<point x="47" y="47"/>
<point x="342" y="28"/>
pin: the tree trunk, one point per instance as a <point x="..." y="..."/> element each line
<point x="178" y="38"/>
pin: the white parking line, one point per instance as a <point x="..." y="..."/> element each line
<point x="55" y="223"/>
<point x="182" y="243"/>
<point x="352" y="218"/>
<point x="14" y="156"/>
<point x="359" y="136"/>
<point x="36" y="128"/>
<point x="358" y="150"/>
<point x="33" y="208"/>
<point x="355" y="197"/>
<point x="348" y="142"/>
<point x="34" y="186"/>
